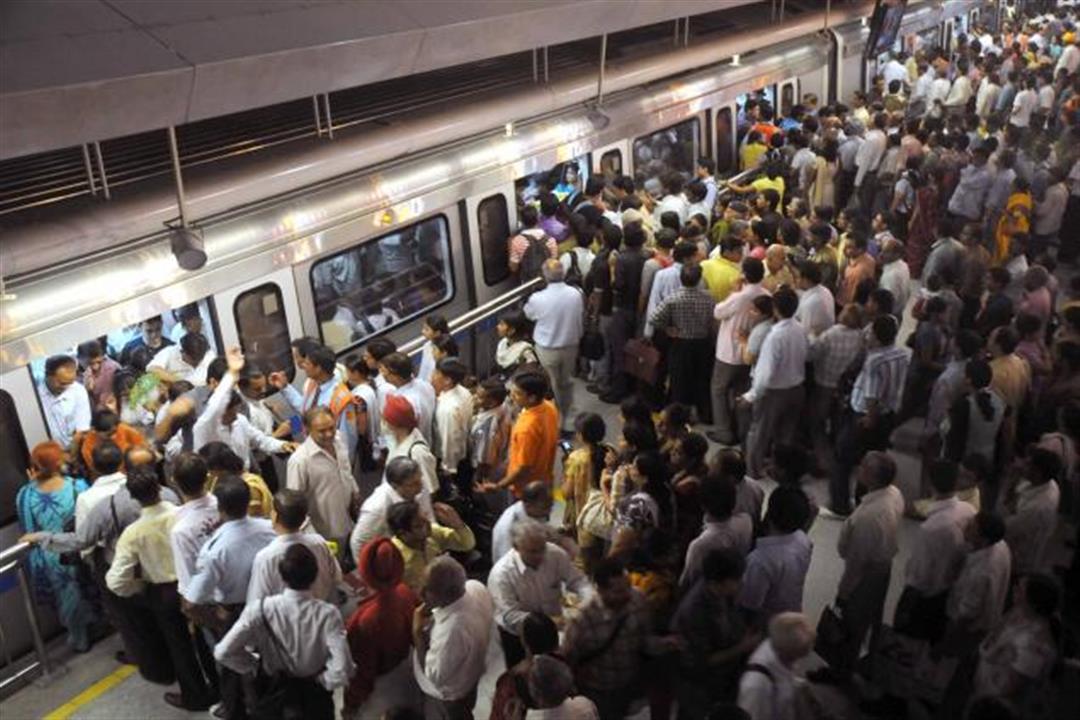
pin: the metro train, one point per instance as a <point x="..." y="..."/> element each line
<point x="398" y="222"/>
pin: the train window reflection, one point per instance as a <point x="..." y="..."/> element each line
<point x="673" y="149"/>
<point x="611" y="164"/>
<point x="787" y="98"/>
<point x="366" y="290"/>
<point x="263" y="328"/>
<point x="566" y="180"/>
<point x="493" y="226"/>
<point x="14" y="457"/>
<point x="725" y="142"/>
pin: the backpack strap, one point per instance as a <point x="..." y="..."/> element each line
<point x="282" y="655"/>
<point x="759" y="668"/>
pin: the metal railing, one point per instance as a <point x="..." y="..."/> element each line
<point x="11" y="561"/>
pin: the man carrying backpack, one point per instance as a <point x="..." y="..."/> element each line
<point x="531" y="248"/>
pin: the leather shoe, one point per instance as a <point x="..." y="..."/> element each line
<point x="123" y="658"/>
<point x="177" y="701"/>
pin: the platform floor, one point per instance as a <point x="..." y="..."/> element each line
<point x="94" y="687"/>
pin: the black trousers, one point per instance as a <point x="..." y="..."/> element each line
<point x="164" y="606"/>
<point x="513" y="650"/>
<point x="690" y="365"/>
<point x="304" y="699"/>
<point x="623" y="328"/>
<point x="852" y="443"/>
<point x="132" y="619"/>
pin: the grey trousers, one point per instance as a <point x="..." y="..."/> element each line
<point x="775" y="417"/>
<point x="436" y="709"/>
<point x="559" y="363"/>
<point x="727" y="382"/>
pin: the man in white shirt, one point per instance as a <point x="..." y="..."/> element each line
<point x="960" y="91"/>
<point x="731" y="374"/>
<point x="295" y="634"/>
<point x="895" y="275"/>
<point x="868" y="160"/>
<point x="895" y="70"/>
<point x="289" y="517"/>
<point x="222" y="421"/>
<point x="1046" y="95"/>
<point x="558" y="312"/>
<point x="986" y="97"/>
<point x="453" y="415"/>
<point x="936" y="557"/>
<point x="817" y="308"/>
<point x="397" y="369"/>
<point x="319" y="468"/>
<point x="535" y="505"/>
<point x="1032" y="506"/>
<point x="723" y="528"/>
<point x="451" y="631"/>
<point x="401" y="482"/>
<point x="187" y="360"/>
<point x="673" y="200"/>
<point x="1070" y="58"/>
<point x="769" y="688"/>
<point x="107" y="459"/>
<point x="867" y="544"/>
<point x="776" y="392"/>
<point x="531" y="578"/>
<point x="196" y="519"/>
<point x="939" y="91"/>
<point x="977" y="599"/>
<point x="1027" y="100"/>
<point x="65" y="402"/>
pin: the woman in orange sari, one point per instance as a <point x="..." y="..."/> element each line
<point x="1015" y="218"/>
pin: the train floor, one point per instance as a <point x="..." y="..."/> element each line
<point x="94" y="687"/>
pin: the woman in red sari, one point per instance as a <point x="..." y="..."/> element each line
<point x="922" y="228"/>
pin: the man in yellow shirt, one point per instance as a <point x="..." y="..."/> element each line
<point x="721" y="273"/>
<point x="420" y="541"/>
<point x="752" y="151"/>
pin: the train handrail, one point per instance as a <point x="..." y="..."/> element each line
<point x="476" y="315"/>
<point x="11" y="560"/>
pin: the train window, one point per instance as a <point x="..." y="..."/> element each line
<point x="787" y="98"/>
<point x="725" y="149"/>
<point x="611" y="164"/>
<point x="263" y="328"/>
<point x="673" y="149"/>
<point x="493" y="225"/>
<point x="14" y="457"/>
<point x="383" y="283"/>
<point x="565" y="180"/>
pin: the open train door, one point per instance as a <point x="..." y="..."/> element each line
<point x="612" y="160"/>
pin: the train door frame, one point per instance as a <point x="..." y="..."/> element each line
<point x="947" y="34"/>
<point x="793" y="83"/>
<point x="625" y="157"/>
<point x="470" y="225"/>
<point x="225" y="304"/>
<point x="732" y="141"/>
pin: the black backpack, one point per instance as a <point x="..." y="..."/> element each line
<point x="574" y="275"/>
<point x="532" y="262"/>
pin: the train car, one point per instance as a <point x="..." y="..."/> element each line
<point x="367" y="235"/>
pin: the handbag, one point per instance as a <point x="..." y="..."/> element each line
<point x="642" y="361"/>
<point x="833" y="638"/>
<point x="271" y="690"/>
<point x="595" y="518"/>
<point x="591" y="346"/>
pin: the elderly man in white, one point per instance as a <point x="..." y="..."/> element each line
<point x="451" y="630"/>
<point x="559" y="313"/>
<point x="531" y="578"/>
<point x="769" y="688"/>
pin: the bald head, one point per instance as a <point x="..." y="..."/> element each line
<point x="775" y="257"/>
<point x="792" y="637"/>
<point x="553" y="271"/>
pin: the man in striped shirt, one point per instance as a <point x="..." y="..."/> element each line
<point x="871" y="412"/>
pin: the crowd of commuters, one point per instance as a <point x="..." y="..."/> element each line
<point x="397" y="516"/>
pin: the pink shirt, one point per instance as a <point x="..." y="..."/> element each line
<point x="734" y="316"/>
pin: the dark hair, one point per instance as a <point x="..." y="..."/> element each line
<point x="290" y="508"/>
<point x="990" y="526"/>
<point x="219" y="456"/>
<point x="447" y="345"/>
<point x="1026" y="324"/>
<point x="516" y="321"/>
<point x="790" y="463"/>
<point x="539" y="634"/>
<point x="707" y="163"/>
<point x="1045" y="462"/>
<point x="529" y="216"/>
<point x="107" y="457"/>
<point x="592" y="429"/>
<point x="104" y="421"/>
<point x="323" y="358"/>
<point x="304" y="345"/>
<point x="189" y="473"/>
<point x="1043" y="594"/>
<point x="453" y="369"/>
<point x="671" y="220"/>
<point x="810" y="271"/>
<point x="885" y="329"/>
<point x="233" y="496"/>
<point x="495" y="387"/>
<point x="532" y="383"/>
<point x="56" y="362"/>
<point x="298" y="567"/>
<point x="690" y="275"/>
<point x="718" y="496"/>
<point x="943" y="475"/>
<point x="969" y="343"/>
<point x="437" y="322"/>
<point x="788" y="509"/>
<point x="624" y="183"/>
<point x="753" y="269"/>
<point x="723" y="564"/>
<point x="606" y="571"/>
<point x="89" y="350"/>
<point x="695" y="447"/>
<point x="980" y="375"/>
<point x="786" y="302"/>
<point x="400" y="516"/>
<point x="142" y="484"/>
<point x="194" y="345"/>
<point x="380" y="347"/>
<point x="217" y="369"/>
<point x="638" y="435"/>
<point x="764" y="305"/>
<point x="399" y="364"/>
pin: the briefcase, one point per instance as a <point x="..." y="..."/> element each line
<point x="642" y="361"/>
<point x="833" y="638"/>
